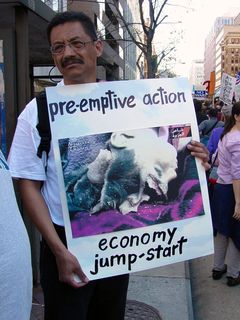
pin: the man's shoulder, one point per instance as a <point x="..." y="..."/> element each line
<point x="220" y="123"/>
<point x="30" y="113"/>
<point x="203" y="123"/>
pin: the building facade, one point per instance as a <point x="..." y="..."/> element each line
<point x="227" y="52"/>
<point x="131" y="51"/>
<point x="210" y="45"/>
<point x="196" y="75"/>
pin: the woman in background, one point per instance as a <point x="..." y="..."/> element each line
<point x="217" y="132"/>
<point x="225" y="204"/>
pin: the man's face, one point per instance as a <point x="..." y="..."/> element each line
<point x="77" y="65"/>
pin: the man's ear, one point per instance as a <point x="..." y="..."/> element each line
<point x="99" y="47"/>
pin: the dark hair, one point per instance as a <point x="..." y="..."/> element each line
<point x="212" y="112"/>
<point x="72" y="16"/>
<point x="221" y="103"/>
<point x="231" y="121"/>
<point x="206" y="103"/>
<point x="197" y="105"/>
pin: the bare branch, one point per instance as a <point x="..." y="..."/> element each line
<point x="138" y="33"/>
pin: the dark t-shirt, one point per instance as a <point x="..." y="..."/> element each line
<point x="201" y="117"/>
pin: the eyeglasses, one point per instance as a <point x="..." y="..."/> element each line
<point x="74" y="44"/>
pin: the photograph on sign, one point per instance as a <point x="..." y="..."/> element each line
<point x="129" y="179"/>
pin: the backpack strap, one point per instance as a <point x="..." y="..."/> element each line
<point x="212" y="127"/>
<point x="43" y="125"/>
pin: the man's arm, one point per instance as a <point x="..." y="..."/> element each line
<point x="30" y="191"/>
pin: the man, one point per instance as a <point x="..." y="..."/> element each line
<point x="75" y="49"/>
<point x="206" y="126"/>
<point x="15" y="254"/>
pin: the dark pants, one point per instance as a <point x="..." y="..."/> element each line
<point x="222" y="209"/>
<point x="99" y="299"/>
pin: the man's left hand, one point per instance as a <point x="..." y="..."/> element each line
<point x="199" y="150"/>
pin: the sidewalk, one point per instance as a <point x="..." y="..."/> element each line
<point x="212" y="299"/>
<point x="167" y="289"/>
<point x="37" y="305"/>
<point x="160" y="293"/>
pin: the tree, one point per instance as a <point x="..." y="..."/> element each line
<point x="142" y="32"/>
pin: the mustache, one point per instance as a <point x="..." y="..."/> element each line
<point x="68" y="61"/>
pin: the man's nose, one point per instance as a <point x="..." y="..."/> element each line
<point x="68" y="49"/>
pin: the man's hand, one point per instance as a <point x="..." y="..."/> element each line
<point x="69" y="270"/>
<point x="199" y="150"/>
<point x="36" y="207"/>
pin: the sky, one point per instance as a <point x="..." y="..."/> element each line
<point x="195" y="18"/>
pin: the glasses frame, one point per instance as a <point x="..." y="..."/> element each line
<point x="69" y="44"/>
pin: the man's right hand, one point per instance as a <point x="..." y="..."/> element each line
<point x="68" y="266"/>
<point x="38" y="212"/>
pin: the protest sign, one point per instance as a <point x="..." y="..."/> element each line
<point x="227" y="88"/>
<point x="132" y="195"/>
<point x="237" y="87"/>
<point x="237" y="92"/>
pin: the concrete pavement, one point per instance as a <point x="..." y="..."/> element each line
<point x="181" y="291"/>
<point x="186" y="291"/>
<point x="166" y="289"/>
<point x="212" y="299"/>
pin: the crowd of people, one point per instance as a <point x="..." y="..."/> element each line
<point x="221" y="133"/>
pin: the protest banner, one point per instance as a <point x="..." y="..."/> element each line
<point x="227" y="88"/>
<point x="132" y="195"/>
<point x="237" y="87"/>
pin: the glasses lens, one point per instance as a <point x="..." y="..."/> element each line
<point x="77" y="44"/>
<point x="57" y="48"/>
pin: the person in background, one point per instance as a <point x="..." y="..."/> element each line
<point x="201" y="116"/>
<point x="225" y="203"/>
<point x="218" y="106"/>
<point x="212" y="148"/>
<point x="75" y="48"/>
<point x="216" y="132"/>
<point x="15" y="254"/>
<point x="205" y="127"/>
<point x="206" y="105"/>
